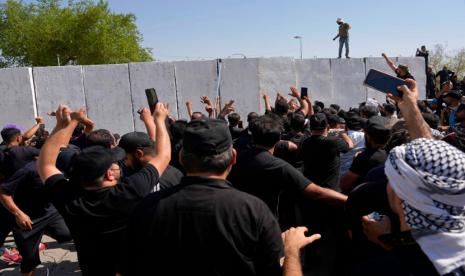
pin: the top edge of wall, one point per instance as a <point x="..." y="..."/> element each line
<point x="174" y="61"/>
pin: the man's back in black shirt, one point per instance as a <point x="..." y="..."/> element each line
<point x="369" y="159"/>
<point x="235" y="132"/>
<point x="16" y="157"/>
<point x="444" y="75"/>
<point x="265" y="176"/>
<point x="203" y="227"/>
<point x="321" y="157"/>
<point x="97" y="218"/>
<point x="292" y="157"/>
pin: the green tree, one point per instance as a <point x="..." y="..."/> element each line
<point x="36" y="33"/>
<point x="455" y="59"/>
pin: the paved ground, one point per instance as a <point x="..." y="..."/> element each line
<point x="57" y="260"/>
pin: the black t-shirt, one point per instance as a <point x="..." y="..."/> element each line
<point x="203" y="227"/>
<point x="14" y="158"/>
<point x="321" y="157"/>
<point x="444" y="75"/>
<point x="244" y="141"/>
<point x="292" y="157"/>
<point x="170" y="177"/>
<point x="175" y="150"/>
<point x="97" y="218"/>
<point x="367" y="160"/>
<point x="235" y="132"/>
<point x="28" y="192"/>
<point x="263" y="175"/>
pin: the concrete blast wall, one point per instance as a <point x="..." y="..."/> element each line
<point x="114" y="93"/>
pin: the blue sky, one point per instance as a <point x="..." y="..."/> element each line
<point x="194" y="29"/>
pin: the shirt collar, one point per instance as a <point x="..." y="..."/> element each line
<point x="202" y="180"/>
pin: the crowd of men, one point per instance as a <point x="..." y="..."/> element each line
<point x="378" y="189"/>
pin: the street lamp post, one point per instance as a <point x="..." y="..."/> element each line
<point x="300" y="41"/>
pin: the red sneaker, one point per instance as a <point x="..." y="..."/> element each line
<point x="11" y="256"/>
<point x="42" y="247"/>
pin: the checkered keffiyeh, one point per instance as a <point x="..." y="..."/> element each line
<point x="429" y="176"/>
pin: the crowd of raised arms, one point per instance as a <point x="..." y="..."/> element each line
<point x="377" y="189"/>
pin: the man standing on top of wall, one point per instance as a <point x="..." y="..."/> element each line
<point x="343" y="35"/>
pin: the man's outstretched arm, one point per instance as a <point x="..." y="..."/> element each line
<point x="162" y="140"/>
<point x="30" y="132"/>
<point x="325" y="194"/>
<point x="391" y="64"/>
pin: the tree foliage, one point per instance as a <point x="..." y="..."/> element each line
<point x="455" y="59"/>
<point x="35" y="33"/>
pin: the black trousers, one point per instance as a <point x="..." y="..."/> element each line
<point x="28" y="241"/>
<point x="7" y="222"/>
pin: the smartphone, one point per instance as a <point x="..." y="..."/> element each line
<point x="152" y="98"/>
<point x="303" y="92"/>
<point x="383" y="82"/>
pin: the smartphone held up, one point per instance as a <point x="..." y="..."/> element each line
<point x="383" y="82"/>
<point x="152" y="98"/>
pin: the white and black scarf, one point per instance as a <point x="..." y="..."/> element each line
<point x="429" y="176"/>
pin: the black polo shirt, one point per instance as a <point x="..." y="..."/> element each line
<point x="369" y="159"/>
<point x="205" y="227"/>
<point x="97" y="218"/>
<point x="322" y="160"/>
<point x="265" y="176"/>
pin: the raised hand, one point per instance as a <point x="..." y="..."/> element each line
<point x="39" y="120"/>
<point x="409" y="93"/>
<point x="228" y="108"/>
<point x="294" y="92"/>
<point x="161" y="112"/>
<point x="265" y="96"/>
<point x="209" y="105"/>
<point x="63" y="116"/>
<point x="145" y="114"/>
<point x="280" y="97"/>
<point x="79" y="115"/>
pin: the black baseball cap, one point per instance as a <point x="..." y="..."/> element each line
<point x="134" y="140"/>
<point x="454" y="94"/>
<point x="318" y="121"/>
<point x="207" y="137"/>
<point x="355" y="122"/>
<point x="375" y="127"/>
<point x="94" y="161"/>
<point x="334" y="119"/>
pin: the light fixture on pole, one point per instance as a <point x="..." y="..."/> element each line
<point x="300" y="41"/>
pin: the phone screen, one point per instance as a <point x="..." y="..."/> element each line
<point x="152" y="98"/>
<point x="383" y="82"/>
<point x="303" y="92"/>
